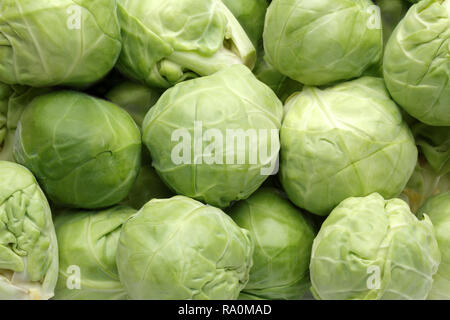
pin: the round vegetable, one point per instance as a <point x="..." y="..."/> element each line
<point x="58" y="42"/>
<point x="215" y="138"/>
<point x="84" y="151"/>
<point x="28" y="246"/>
<point x="343" y="141"/>
<point x="87" y="254"/>
<point x="322" y="41"/>
<point x="283" y="240"/>
<point x="371" y="248"/>
<point x="178" y="248"/>
<point x="416" y="62"/>
<point x="438" y="209"/>
<point x="168" y="41"/>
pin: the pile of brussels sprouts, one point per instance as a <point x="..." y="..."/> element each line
<point x="224" y="149"/>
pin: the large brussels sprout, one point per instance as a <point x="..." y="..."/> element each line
<point x="87" y="254"/>
<point x="438" y="209"/>
<point x="58" y="42"/>
<point x="136" y="98"/>
<point x="84" y="151"/>
<point x="168" y="41"/>
<point x="251" y="15"/>
<point x="13" y="101"/>
<point x="283" y="240"/>
<point x="215" y="138"/>
<point x="322" y="41"/>
<point x="371" y="248"/>
<point x="416" y="64"/>
<point x="343" y="141"/>
<point x="28" y="246"/>
<point x="178" y="248"/>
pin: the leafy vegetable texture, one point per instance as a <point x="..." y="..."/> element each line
<point x="84" y="151"/>
<point x="58" y="42"/>
<point x="28" y="245"/>
<point x="178" y="248"/>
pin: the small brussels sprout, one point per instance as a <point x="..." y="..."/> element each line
<point x="169" y="41"/>
<point x="343" y="141"/>
<point x="423" y="184"/>
<point x="283" y="86"/>
<point x="434" y="143"/>
<point x="64" y="42"/>
<point x="13" y="101"/>
<point x="148" y="186"/>
<point x="251" y="15"/>
<point x="136" y="98"/>
<point x="438" y="209"/>
<point x="370" y="248"/>
<point x="416" y="67"/>
<point x="28" y="246"/>
<point x="178" y="248"/>
<point x="392" y="12"/>
<point x="215" y="138"/>
<point x="84" y="151"/>
<point x="87" y="254"/>
<point x="322" y="41"/>
<point x="283" y="240"/>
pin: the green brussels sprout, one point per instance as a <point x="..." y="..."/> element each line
<point x="392" y="12"/>
<point x="251" y="15"/>
<point x="215" y="138"/>
<point x="178" y="248"/>
<point x="343" y="141"/>
<point x="283" y="240"/>
<point x="416" y="67"/>
<point x="64" y="42"/>
<point x="438" y="209"/>
<point x="434" y="142"/>
<point x="423" y="184"/>
<point x="88" y="243"/>
<point x="136" y="98"/>
<point x="283" y="86"/>
<point x="371" y="248"/>
<point x="322" y="41"/>
<point x="28" y="246"/>
<point x="84" y="151"/>
<point x="13" y="101"/>
<point x="169" y="41"/>
<point x="148" y="186"/>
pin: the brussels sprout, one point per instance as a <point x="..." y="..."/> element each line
<point x="136" y="98"/>
<point x="434" y="142"/>
<point x="13" y="101"/>
<point x="438" y="209"/>
<point x="178" y="248"/>
<point x="283" y="240"/>
<point x="347" y="140"/>
<point x="251" y="15"/>
<point x="371" y="248"/>
<point x="424" y="183"/>
<point x="283" y="86"/>
<point x="88" y="243"/>
<point x="84" y="151"/>
<point x="215" y="138"/>
<point x="322" y="41"/>
<point x="28" y="246"/>
<point x="416" y="66"/>
<point x="168" y="41"/>
<point x="148" y="186"/>
<point x="64" y="42"/>
<point x="392" y="12"/>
